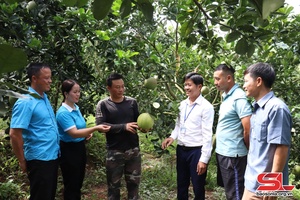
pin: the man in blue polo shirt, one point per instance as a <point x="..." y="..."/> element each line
<point x="34" y="134"/>
<point x="232" y="134"/>
<point x="271" y="124"/>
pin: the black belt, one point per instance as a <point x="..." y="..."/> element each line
<point x="189" y="148"/>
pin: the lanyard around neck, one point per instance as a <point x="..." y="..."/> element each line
<point x="186" y="116"/>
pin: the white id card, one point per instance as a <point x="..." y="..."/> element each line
<point x="182" y="130"/>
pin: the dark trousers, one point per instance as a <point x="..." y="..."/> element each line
<point x="72" y="164"/>
<point x="42" y="176"/>
<point x="123" y="162"/>
<point x="232" y="170"/>
<point x="187" y="161"/>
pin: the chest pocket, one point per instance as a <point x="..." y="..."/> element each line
<point x="259" y="132"/>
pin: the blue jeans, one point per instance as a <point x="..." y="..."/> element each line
<point x="187" y="161"/>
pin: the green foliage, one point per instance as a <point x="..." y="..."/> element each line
<point x="158" y="178"/>
<point x="97" y="150"/>
<point x="296" y="193"/>
<point x="265" y="7"/>
<point x="101" y="8"/>
<point x="9" y="165"/>
<point x="12" y="181"/>
<point x="96" y="146"/>
<point x="125" y="8"/>
<point x="11" y="191"/>
<point x="11" y="59"/>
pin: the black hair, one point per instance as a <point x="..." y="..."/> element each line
<point x="66" y="86"/>
<point x="263" y="70"/>
<point x="226" y="68"/>
<point x="112" y="77"/>
<point x="33" y="69"/>
<point x="195" y="77"/>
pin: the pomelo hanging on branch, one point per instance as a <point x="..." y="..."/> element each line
<point x="150" y="83"/>
<point x="31" y="5"/>
<point x="296" y="171"/>
<point x="145" y="122"/>
<point x="204" y="90"/>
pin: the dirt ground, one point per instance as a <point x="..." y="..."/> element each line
<point x="99" y="193"/>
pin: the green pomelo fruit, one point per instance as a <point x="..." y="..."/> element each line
<point x="296" y="170"/>
<point x="145" y="121"/>
<point x="150" y="83"/>
<point x="204" y="90"/>
<point x="31" y="5"/>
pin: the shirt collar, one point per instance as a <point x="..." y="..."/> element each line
<point x="224" y="95"/>
<point x="30" y="89"/>
<point x="197" y="101"/>
<point x="70" y="109"/>
<point x="262" y="102"/>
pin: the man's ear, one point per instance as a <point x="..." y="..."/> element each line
<point x="259" y="81"/>
<point x="229" y="77"/>
<point x="33" y="78"/>
<point x="200" y="86"/>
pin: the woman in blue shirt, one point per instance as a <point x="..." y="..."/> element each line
<point x="73" y="133"/>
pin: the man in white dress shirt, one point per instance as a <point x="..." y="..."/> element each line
<point x="193" y="132"/>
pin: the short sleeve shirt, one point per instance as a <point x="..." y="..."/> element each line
<point x="40" y="134"/>
<point x="68" y="118"/>
<point x="230" y="132"/>
<point x="271" y="124"/>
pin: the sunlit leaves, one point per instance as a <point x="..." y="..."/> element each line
<point x="265" y="7"/>
<point x="101" y="8"/>
<point x="270" y="6"/>
<point x="125" y="54"/>
<point x="186" y="28"/>
<point x="102" y="35"/>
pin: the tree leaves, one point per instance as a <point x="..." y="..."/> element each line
<point x="125" y="8"/>
<point x="146" y="8"/>
<point x="265" y="7"/>
<point x="233" y="36"/>
<point x="243" y="47"/>
<point x="78" y="3"/>
<point x="69" y="2"/>
<point x="12" y="1"/>
<point x="11" y="59"/>
<point x="270" y="6"/>
<point x="186" y="28"/>
<point x="101" y="8"/>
